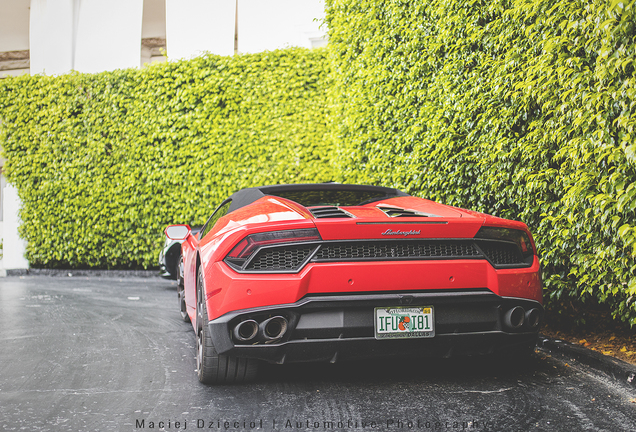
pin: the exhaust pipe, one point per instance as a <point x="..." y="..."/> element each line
<point x="532" y="317"/>
<point x="273" y="328"/>
<point x="246" y="330"/>
<point x="515" y="317"/>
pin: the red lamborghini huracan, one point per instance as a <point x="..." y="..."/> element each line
<point x="326" y="272"/>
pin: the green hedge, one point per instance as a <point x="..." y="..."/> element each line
<point x="520" y="108"/>
<point x="104" y="162"/>
<point x="523" y="108"/>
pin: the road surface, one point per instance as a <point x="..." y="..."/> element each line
<point x="101" y="354"/>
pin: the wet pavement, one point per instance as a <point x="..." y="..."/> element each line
<point x="101" y="354"/>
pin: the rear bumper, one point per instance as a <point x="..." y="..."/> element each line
<point x="230" y="291"/>
<point x="341" y="327"/>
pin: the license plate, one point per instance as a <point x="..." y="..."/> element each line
<point x="404" y="322"/>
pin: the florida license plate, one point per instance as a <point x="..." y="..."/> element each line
<point x="404" y="322"/>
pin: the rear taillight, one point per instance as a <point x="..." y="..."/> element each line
<point x="509" y="235"/>
<point x="246" y="247"/>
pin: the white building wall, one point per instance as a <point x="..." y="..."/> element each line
<point x="14" y="246"/>
<point x="14" y="25"/>
<point x="196" y="26"/>
<point x="14" y="37"/>
<point x="2" y="185"/>
<point x="275" y="24"/>
<point x="84" y="35"/>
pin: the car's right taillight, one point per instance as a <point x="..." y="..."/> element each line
<point x="506" y="247"/>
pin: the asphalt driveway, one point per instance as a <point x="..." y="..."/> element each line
<point x="95" y="354"/>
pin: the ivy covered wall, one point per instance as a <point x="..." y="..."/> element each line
<point x="520" y="108"/>
<point x="104" y="162"/>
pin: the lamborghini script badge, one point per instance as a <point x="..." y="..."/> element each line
<point x="390" y="232"/>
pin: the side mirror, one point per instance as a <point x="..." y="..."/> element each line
<point x="177" y="232"/>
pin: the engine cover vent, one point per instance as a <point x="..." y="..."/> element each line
<point x="329" y="212"/>
<point x="400" y="212"/>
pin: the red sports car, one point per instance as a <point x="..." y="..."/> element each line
<point x="327" y="272"/>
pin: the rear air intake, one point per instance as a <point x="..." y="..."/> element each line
<point x="281" y="258"/>
<point x="501" y="253"/>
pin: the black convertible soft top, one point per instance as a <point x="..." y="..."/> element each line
<point x="316" y="194"/>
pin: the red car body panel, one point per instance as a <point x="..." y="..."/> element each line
<point x="233" y="293"/>
<point x="230" y="289"/>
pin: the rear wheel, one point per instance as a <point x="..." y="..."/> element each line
<point x="213" y="367"/>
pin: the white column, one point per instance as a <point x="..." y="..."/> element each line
<point x="51" y="35"/>
<point x="108" y="35"/>
<point x="13" y="246"/>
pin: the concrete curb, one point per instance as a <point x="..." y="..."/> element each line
<point x="620" y="371"/>
<point x="89" y="273"/>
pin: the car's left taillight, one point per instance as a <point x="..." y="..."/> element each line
<point x="290" y="248"/>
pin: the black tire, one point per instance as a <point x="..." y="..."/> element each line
<point x="181" y="292"/>
<point x="214" y="368"/>
<point x="177" y="270"/>
<point x="171" y="260"/>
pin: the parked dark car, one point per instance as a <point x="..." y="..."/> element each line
<point x="170" y="256"/>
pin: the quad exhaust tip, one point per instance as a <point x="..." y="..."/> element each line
<point x="269" y="330"/>
<point x="515" y="317"/>
<point x="273" y="328"/>
<point x="533" y="317"/>
<point x="246" y="330"/>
